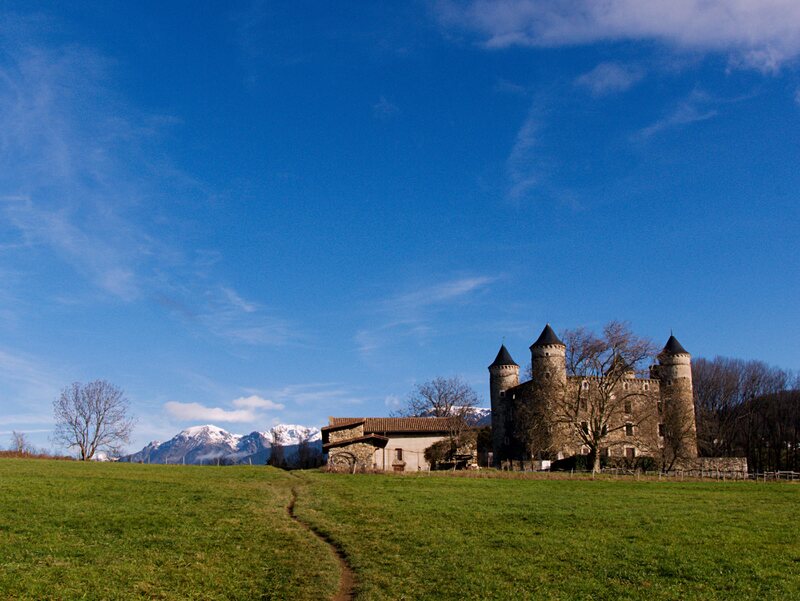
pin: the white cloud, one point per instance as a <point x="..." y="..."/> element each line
<point x="256" y="402"/>
<point x="760" y="34"/>
<point x="243" y="409"/>
<point x="198" y="412"/>
<point x="607" y="78"/>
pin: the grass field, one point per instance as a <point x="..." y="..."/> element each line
<point x="465" y="538"/>
<point x="114" y="531"/>
<point x="72" y="530"/>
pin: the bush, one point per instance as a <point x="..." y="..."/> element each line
<point x="584" y="463"/>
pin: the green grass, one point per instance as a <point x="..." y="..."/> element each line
<point x="115" y="531"/>
<point x="72" y="530"/>
<point x="464" y="538"/>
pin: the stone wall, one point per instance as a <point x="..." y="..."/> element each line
<point x="721" y="464"/>
<point x="356" y="431"/>
<point x="357" y="456"/>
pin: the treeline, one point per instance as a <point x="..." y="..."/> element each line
<point x="748" y="408"/>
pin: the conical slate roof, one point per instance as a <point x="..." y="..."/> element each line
<point x="503" y="357"/>
<point x="548" y="336"/>
<point x="673" y="347"/>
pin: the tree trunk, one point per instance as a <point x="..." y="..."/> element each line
<point x="596" y="464"/>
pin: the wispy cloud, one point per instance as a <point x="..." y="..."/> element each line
<point x="609" y="78"/>
<point x="103" y="261"/>
<point x="85" y="194"/>
<point x="523" y="166"/>
<point x="29" y="385"/>
<point x="760" y="34"/>
<point x="411" y="314"/>
<point x="317" y="395"/>
<point x="696" y="107"/>
<point x="384" y="109"/>
<point x="411" y="303"/>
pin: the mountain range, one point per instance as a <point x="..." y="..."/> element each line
<point x="210" y="444"/>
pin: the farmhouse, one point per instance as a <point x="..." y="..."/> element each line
<point x="382" y="443"/>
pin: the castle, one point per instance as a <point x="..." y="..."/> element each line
<point x="556" y="415"/>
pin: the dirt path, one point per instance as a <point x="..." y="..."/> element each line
<point x="347" y="579"/>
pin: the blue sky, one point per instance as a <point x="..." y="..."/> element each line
<point x="250" y="213"/>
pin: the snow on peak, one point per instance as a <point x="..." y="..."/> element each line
<point x="208" y="432"/>
<point x="292" y="434"/>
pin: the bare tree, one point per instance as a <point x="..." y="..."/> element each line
<point x="444" y="397"/>
<point x="307" y="455"/>
<point x="19" y="443"/>
<point x="92" y="417"/>
<point x="596" y="403"/>
<point x="724" y="389"/>
<point x="277" y="456"/>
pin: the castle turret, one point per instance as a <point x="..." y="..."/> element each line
<point x="674" y="372"/>
<point x="503" y="374"/>
<point x="548" y="359"/>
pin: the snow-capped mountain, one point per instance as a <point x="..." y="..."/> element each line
<point x="476" y="416"/>
<point x="482" y="416"/>
<point x="211" y="444"/>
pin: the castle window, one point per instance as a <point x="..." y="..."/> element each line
<point x="604" y="452"/>
<point x="398" y="454"/>
<point x="604" y="430"/>
<point x="660" y="406"/>
<point x="647" y="386"/>
<point x="502" y="394"/>
<point x="585" y="427"/>
<point x="547" y="375"/>
<point x="630" y="453"/>
<point x="584" y="450"/>
<point x="628" y="407"/>
<point x="628" y="429"/>
<point x="585" y="385"/>
<point x="661" y="430"/>
<point x="625" y="386"/>
<point x="669" y="382"/>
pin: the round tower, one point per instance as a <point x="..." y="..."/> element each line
<point x="503" y="374"/>
<point x="548" y="359"/>
<point x="675" y="382"/>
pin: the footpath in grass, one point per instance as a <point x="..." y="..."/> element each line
<point x="72" y="530"/>
<point x="433" y="537"/>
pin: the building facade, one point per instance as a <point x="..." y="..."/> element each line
<point x="382" y="443"/>
<point x="552" y="415"/>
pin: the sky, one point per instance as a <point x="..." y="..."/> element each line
<point x="252" y="213"/>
